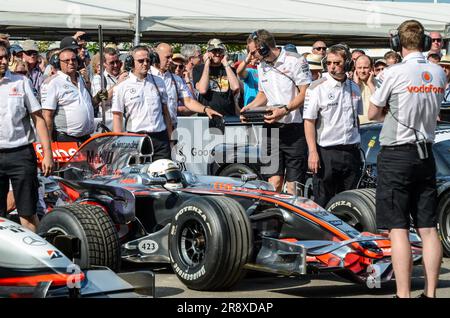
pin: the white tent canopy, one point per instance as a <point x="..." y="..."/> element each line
<point x="290" y="20"/>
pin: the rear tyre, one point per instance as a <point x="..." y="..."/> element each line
<point x="99" y="239"/>
<point x="209" y="243"/>
<point x="236" y="170"/>
<point x="357" y="208"/>
<point x="444" y="222"/>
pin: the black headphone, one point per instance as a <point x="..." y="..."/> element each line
<point x="394" y="41"/>
<point x="56" y="62"/>
<point x="129" y="60"/>
<point x="263" y="49"/>
<point x="348" y="62"/>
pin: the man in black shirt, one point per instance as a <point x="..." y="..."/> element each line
<point x="216" y="81"/>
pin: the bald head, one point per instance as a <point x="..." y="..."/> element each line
<point x="437" y="42"/>
<point x="165" y="53"/>
<point x="363" y="67"/>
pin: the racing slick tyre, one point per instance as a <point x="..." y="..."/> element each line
<point x="355" y="207"/>
<point x="444" y="222"/>
<point x="236" y="170"/>
<point x="210" y="241"/>
<point x="98" y="235"/>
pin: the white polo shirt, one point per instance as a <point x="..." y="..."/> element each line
<point x="176" y="88"/>
<point x="335" y="106"/>
<point x="96" y="87"/>
<point x="275" y="83"/>
<point x="74" y="113"/>
<point x="141" y="103"/>
<point x="17" y="101"/>
<point x="414" y="90"/>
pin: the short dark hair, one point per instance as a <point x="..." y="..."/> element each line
<point x="411" y="34"/>
<point x="262" y="36"/>
<point x="434" y="56"/>
<point x="358" y="51"/>
<point x="110" y="51"/>
<point x="390" y="55"/>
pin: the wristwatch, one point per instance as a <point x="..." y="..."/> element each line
<point x="287" y="109"/>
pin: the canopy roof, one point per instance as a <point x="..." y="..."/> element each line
<point x="359" y="23"/>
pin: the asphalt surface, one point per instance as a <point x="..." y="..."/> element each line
<point x="258" y="285"/>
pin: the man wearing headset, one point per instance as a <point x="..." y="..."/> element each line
<point x="332" y="106"/>
<point x="141" y="100"/>
<point x="283" y="79"/>
<point x="406" y="187"/>
<point x="68" y="106"/>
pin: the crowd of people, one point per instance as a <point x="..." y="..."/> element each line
<point x="315" y="103"/>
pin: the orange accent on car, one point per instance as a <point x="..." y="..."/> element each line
<point x="56" y="279"/>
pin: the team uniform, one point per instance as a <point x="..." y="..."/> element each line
<point x="18" y="162"/>
<point x="335" y="106"/>
<point x="278" y="82"/>
<point x="413" y="91"/>
<point x="141" y="103"/>
<point x="176" y="89"/>
<point x="74" y="113"/>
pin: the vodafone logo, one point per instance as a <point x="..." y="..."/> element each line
<point x="427" y="77"/>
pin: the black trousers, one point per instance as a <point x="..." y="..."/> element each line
<point x="60" y="136"/>
<point x="161" y="144"/>
<point x="340" y="170"/>
<point x="406" y="188"/>
<point x="20" y="166"/>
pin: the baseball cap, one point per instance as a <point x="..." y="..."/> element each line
<point x="15" y="48"/>
<point x="215" y="44"/>
<point x="68" y="43"/>
<point x="445" y="60"/>
<point x="30" y="45"/>
<point x="178" y="56"/>
<point x="382" y="61"/>
<point x="290" y="48"/>
<point x="314" y="61"/>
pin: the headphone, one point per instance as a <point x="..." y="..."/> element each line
<point x="263" y="49"/>
<point x="348" y="62"/>
<point x="129" y="60"/>
<point x="56" y="62"/>
<point x="394" y="41"/>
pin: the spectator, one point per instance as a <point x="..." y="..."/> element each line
<point x="283" y="79"/>
<point x="445" y="64"/>
<point x="193" y="55"/>
<point x="50" y="69"/>
<point x="357" y="53"/>
<point x="315" y="65"/>
<point x="111" y="77"/>
<point x="21" y="68"/>
<point x="178" y="66"/>
<point x="291" y="48"/>
<point x="4" y="39"/>
<point x="68" y="105"/>
<point x="319" y="48"/>
<point x="379" y="67"/>
<point x="143" y="98"/>
<point x="216" y="81"/>
<point x="17" y="156"/>
<point x="180" y="100"/>
<point x="436" y="44"/>
<point x="391" y="58"/>
<point x="406" y="182"/>
<point x="30" y="56"/>
<point x="16" y="55"/>
<point x="332" y="129"/>
<point x="364" y="77"/>
<point x="433" y="58"/>
<point x="249" y="77"/>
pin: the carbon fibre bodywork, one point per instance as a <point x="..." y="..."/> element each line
<point x="290" y="235"/>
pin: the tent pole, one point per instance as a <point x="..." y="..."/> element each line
<point x="137" y="23"/>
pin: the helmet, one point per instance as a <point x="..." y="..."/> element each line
<point x="168" y="169"/>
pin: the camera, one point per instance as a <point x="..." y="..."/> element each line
<point x="422" y="149"/>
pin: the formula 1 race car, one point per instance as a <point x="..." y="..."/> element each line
<point x="122" y="206"/>
<point x="357" y="207"/>
<point x="31" y="267"/>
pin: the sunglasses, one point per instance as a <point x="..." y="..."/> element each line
<point x="438" y="40"/>
<point x="141" y="61"/>
<point x="217" y="51"/>
<point x="31" y="53"/>
<point x="114" y="63"/>
<point x="74" y="60"/>
<point x="378" y="69"/>
<point x="320" y="48"/>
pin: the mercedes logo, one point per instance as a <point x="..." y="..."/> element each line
<point x="29" y="240"/>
